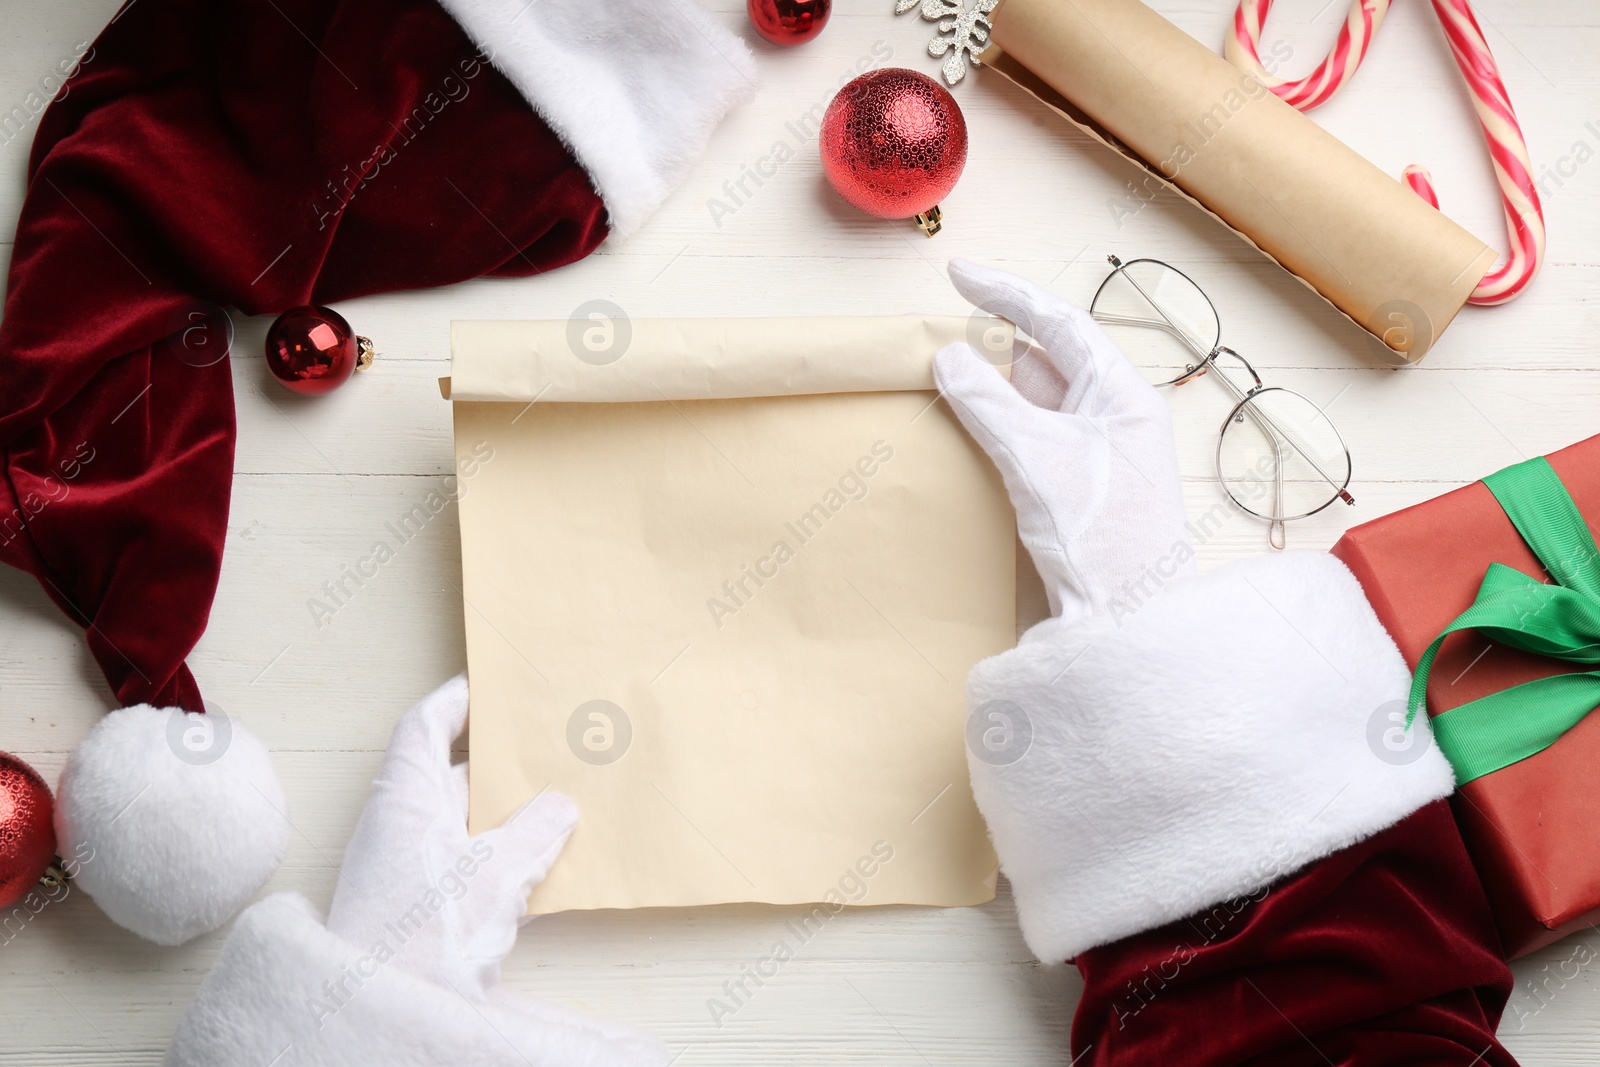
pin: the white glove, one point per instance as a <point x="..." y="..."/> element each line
<point x="403" y="973"/>
<point x="1084" y="444"/>
<point x="412" y="840"/>
<point x="1160" y="746"/>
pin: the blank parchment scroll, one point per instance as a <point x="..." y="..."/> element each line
<point x="724" y="580"/>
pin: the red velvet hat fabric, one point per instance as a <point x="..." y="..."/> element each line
<point x="236" y="154"/>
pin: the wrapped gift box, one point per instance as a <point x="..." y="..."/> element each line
<point x="1531" y="827"/>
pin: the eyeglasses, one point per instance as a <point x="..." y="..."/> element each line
<point x="1279" y="457"/>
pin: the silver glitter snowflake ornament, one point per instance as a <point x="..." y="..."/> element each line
<point x="963" y="31"/>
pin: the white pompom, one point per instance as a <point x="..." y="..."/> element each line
<point x="170" y="820"/>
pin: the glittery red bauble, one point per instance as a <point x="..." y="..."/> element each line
<point x="312" y="350"/>
<point x="893" y="143"/>
<point x="789" y="22"/>
<point x="27" y="839"/>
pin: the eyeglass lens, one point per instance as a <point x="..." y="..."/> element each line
<point x="1159" y="318"/>
<point x="1279" y="456"/>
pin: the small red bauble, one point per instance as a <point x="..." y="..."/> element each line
<point x="27" y="838"/>
<point x="312" y="350"/>
<point x="789" y="22"/>
<point x="893" y="143"/>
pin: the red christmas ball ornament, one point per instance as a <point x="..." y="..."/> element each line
<point x="789" y="22"/>
<point x="893" y="144"/>
<point x="27" y="838"/>
<point x="312" y="350"/>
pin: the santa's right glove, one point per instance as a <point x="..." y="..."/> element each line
<point x="1179" y="773"/>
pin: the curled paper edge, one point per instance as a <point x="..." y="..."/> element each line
<point x="617" y="360"/>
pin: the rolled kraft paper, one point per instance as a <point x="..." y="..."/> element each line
<point x="1392" y="263"/>
<point x="617" y="360"/>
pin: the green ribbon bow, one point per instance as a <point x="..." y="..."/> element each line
<point x="1560" y="620"/>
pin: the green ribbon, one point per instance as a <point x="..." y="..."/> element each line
<point x="1560" y="620"/>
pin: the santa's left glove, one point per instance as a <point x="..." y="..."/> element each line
<point x="404" y="970"/>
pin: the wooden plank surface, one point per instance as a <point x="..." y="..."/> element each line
<point x="318" y="480"/>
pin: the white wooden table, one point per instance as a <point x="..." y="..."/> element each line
<point x="318" y="480"/>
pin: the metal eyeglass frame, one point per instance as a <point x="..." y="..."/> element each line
<point x="1281" y="438"/>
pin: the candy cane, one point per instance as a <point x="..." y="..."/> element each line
<point x="1507" y="147"/>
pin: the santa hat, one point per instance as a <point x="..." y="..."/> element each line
<point x="223" y="152"/>
<point x="1209" y="821"/>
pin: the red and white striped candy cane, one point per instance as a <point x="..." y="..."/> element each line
<point x="1507" y="147"/>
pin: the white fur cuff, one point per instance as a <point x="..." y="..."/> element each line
<point x="286" y="987"/>
<point x="1234" y="729"/>
<point x="634" y="87"/>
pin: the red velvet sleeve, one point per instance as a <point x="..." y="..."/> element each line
<point x="1380" y="955"/>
